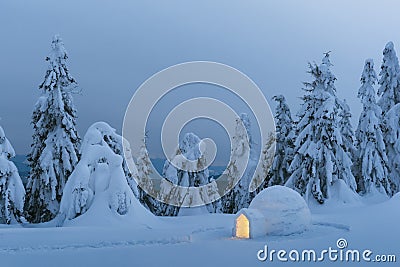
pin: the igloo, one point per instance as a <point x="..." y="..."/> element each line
<point x="277" y="210"/>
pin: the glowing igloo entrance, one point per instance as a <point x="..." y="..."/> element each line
<point x="242" y="227"/>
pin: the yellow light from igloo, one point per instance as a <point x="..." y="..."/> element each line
<point x="242" y="227"/>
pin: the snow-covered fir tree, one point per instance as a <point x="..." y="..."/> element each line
<point x="391" y="129"/>
<point x="12" y="192"/>
<point x="346" y="129"/>
<point x="320" y="164"/>
<point x="251" y="168"/>
<point x="182" y="173"/>
<point x="54" y="151"/>
<point x="279" y="172"/>
<point x="146" y="187"/>
<point x="344" y="114"/>
<point x="99" y="181"/>
<point x="263" y="177"/>
<point x="247" y="125"/>
<point x="389" y="92"/>
<point x="238" y="196"/>
<point x="119" y="144"/>
<point x="371" y="171"/>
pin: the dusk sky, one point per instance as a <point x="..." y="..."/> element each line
<point x="114" y="46"/>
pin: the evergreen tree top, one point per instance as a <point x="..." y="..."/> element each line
<point x="58" y="54"/>
<point x="281" y="101"/>
<point x="57" y="74"/>
<point x="325" y="60"/>
<point x="324" y="79"/>
<point x="282" y="111"/>
<point x="367" y="92"/>
<point x="368" y="75"/>
<point x="389" y="74"/>
<point x="389" y="55"/>
<point x="279" y="98"/>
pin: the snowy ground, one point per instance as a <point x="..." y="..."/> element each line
<point x="199" y="240"/>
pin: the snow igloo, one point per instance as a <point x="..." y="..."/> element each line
<point x="277" y="210"/>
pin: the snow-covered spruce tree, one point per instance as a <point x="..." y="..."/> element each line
<point x="371" y="171"/>
<point x="247" y="125"/>
<point x="389" y="89"/>
<point x="389" y="92"/>
<point x="279" y="172"/>
<point x="54" y="151"/>
<point x="267" y="159"/>
<point x="320" y="164"/>
<point x="177" y="174"/>
<point x="238" y="197"/>
<point x="344" y="114"/>
<point x="12" y="192"/>
<point x="145" y="182"/>
<point x="346" y="129"/>
<point x="391" y="136"/>
<point x="98" y="183"/>
<point x="117" y="144"/>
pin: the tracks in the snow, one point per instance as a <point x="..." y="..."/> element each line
<point x="334" y="225"/>
<point x="98" y="245"/>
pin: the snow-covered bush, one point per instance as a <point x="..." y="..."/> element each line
<point x="55" y="144"/>
<point x="12" y="192"/>
<point x="98" y="186"/>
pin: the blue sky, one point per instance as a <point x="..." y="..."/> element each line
<point x="114" y="46"/>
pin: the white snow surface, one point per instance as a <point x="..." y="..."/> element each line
<point x="199" y="240"/>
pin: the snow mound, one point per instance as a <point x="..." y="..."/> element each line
<point x="97" y="192"/>
<point x="193" y="211"/>
<point x="340" y="196"/>
<point x="285" y="211"/>
<point x="395" y="198"/>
